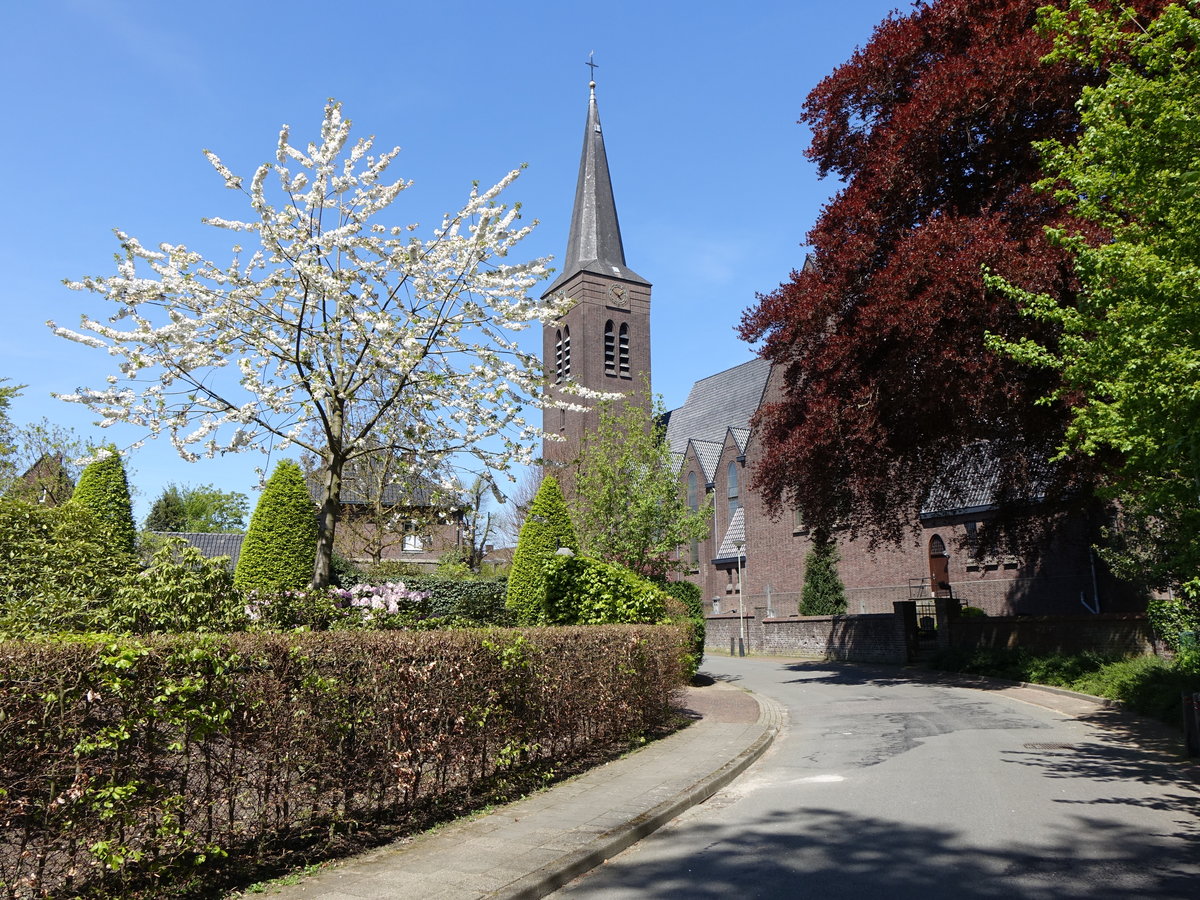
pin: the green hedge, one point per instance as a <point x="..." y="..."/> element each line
<point x="142" y="767"/>
<point x="691" y="597"/>
<point x="482" y="602"/>
<point x="583" y="591"/>
<point x="57" y="568"/>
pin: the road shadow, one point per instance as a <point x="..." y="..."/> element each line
<point x="846" y="856"/>
<point x="1155" y="738"/>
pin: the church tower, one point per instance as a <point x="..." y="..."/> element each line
<point x="603" y="341"/>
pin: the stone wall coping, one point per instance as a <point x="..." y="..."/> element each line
<point x="1098" y="617"/>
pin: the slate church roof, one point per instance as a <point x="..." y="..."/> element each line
<point x="716" y="404"/>
<point x="971" y="482"/>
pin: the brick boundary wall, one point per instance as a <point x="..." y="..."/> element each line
<point x="877" y="637"/>
<point x="891" y="637"/>
<point x="1112" y="634"/>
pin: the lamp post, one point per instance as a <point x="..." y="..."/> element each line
<point x="741" y="600"/>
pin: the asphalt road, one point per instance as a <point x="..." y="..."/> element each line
<point x="883" y="787"/>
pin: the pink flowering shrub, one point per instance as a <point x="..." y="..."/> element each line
<point x="371" y="606"/>
<point x="391" y="598"/>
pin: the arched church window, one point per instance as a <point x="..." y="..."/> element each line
<point x="732" y="488"/>
<point x="693" y="502"/>
<point x="566" y="353"/>
<point x="610" y="349"/>
<point x="623" y="352"/>
<point x="558" y="356"/>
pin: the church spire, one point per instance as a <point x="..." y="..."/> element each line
<point x="594" y="244"/>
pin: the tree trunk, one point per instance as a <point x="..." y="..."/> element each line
<point x="331" y="495"/>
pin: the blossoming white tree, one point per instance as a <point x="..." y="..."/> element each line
<point x="332" y="311"/>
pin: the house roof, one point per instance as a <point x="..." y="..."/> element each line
<point x="717" y="403"/>
<point x="594" y="242"/>
<point x="211" y="544"/>
<point x="416" y="490"/>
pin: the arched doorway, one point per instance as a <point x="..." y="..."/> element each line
<point x="939" y="567"/>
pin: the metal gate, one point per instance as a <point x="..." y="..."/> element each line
<point x="927" y="619"/>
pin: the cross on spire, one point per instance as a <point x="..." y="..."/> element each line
<point x="592" y="65"/>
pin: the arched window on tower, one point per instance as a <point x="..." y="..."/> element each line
<point x="566" y="353"/>
<point x="623" y="352"/>
<point x="610" y="349"/>
<point x="558" y="356"/>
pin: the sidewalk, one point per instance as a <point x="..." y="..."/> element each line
<point x="528" y="848"/>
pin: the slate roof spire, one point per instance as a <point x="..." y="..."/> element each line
<point x="594" y="244"/>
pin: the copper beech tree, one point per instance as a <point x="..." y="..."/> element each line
<point x="881" y="340"/>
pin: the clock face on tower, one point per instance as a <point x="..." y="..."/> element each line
<point x="618" y="297"/>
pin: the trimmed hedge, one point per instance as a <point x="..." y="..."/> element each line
<point x="583" y="591"/>
<point x="481" y="602"/>
<point x="57" y="568"/>
<point x="546" y="529"/>
<point x="692" y="599"/>
<point x="143" y="767"/>
<point x="103" y="490"/>
<point x="281" y="544"/>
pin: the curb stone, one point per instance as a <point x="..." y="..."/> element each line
<point x="553" y="876"/>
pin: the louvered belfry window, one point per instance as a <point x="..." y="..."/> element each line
<point x="566" y="353"/>
<point x="558" y="356"/>
<point x="623" y="352"/>
<point x="610" y="349"/>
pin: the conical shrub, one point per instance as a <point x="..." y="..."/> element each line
<point x="547" y="527"/>
<point x="103" y="490"/>
<point x="281" y="545"/>
<point x="823" y="594"/>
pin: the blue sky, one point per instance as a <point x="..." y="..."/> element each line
<point x="112" y="101"/>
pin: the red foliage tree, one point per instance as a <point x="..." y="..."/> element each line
<point x="881" y="341"/>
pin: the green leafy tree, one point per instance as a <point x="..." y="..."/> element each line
<point x="167" y="513"/>
<point x="103" y="490"/>
<point x="1129" y="350"/>
<point x="208" y="509"/>
<point x="203" y="509"/>
<point x="628" y="504"/>
<point x="279" y="548"/>
<point x="823" y="593"/>
<point x="8" y="392"/>
<point x="547" y="528"/>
